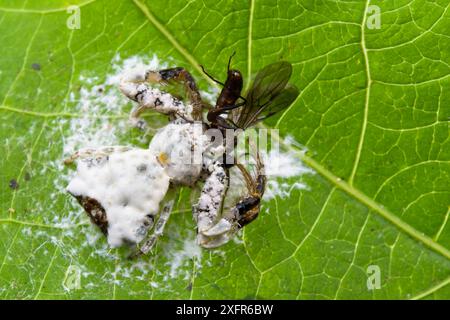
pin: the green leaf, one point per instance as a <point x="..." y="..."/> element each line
<point x="373" y="113"/>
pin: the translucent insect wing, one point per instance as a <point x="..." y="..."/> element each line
<point x="268" y="84"/>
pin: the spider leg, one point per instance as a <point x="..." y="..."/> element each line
<point x="181" y="75"/>
<point x="94" y="154"/>
<point x="206" y="212"/>
<point x="244" y="212"/>
<point x="157" y="230"/>
<point x="135" y="86"/>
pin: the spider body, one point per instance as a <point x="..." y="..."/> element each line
<point x="123" y="189"/>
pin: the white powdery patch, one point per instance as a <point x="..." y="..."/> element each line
<point x="98" y="102"/>
<point x="132" y="65"/>
<point x="101" y="121"/>
<point x="181" y="261"/>
<point x="97" y="106"/>
<point x="280" y="166"/>
<point x="284" y="165"/>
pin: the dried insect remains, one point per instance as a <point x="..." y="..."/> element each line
<point x="127" y="191"/>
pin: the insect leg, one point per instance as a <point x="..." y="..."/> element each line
<point x="214" y="79"/>
<point x="211" y="77"/>
<point x="214" y="116"/>
<point x="157" y="231"/>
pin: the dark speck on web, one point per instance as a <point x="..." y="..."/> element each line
<point x="13" y="184"/>
<point x="36" y="66"/>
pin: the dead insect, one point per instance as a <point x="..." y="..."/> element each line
<point x="126" y="186"/>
